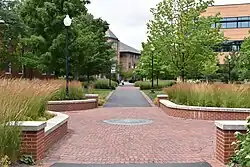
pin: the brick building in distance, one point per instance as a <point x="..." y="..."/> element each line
<point x="127" y="57"/>
<point x="235" y="24"/>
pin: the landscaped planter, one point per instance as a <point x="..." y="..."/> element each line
<point x="203" y="113"/>
<point x="38" y="136"/>
<point x="72" y="105"/>
<point x="225" y="135"/>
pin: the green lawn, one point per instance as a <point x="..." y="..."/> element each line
<point x="103" y="93"/>
<point x="151" y="95"/>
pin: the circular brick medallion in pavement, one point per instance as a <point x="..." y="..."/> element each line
<point x="128" y="121"/>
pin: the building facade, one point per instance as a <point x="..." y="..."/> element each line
<point x="127" y="57"/>
<point x="235" y="24"/>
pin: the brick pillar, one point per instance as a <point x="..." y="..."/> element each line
<point x="93" y="96"/>
<point x="33" y="143"/>
<point x="225" y="136"/>
<point x="161" y="97"/>
<point x="32" y="138"/>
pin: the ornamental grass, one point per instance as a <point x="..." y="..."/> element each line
<point x="21" y="100"/>
<point x="210" y="95"/>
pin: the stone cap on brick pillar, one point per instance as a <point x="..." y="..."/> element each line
<point x="91" y="95"/>
<point x="231" y="125"/>
<point x="26" y="126"/>
<point x="162" y="96"/>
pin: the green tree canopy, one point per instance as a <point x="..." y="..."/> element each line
<point x="183" y="37"/>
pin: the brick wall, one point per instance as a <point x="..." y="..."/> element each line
<point x="33" y="143"/>
<point x="224" y="147"/>
<point x="55" y="135"/>
<point x="72" y="106"/>
<point x="204" y="115"/>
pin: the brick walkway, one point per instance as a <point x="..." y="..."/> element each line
<point x="168" y="139"/>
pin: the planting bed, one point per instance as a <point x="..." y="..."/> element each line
<point x="203" y="113"/>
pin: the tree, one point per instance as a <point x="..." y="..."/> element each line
<point x="89" y="52"/>
<point x="10" y="32"/>
<point x="184" y="37"/>
<point x="210" y="67"/>
<point x="144" y="68"/>
<point x="244" y="60"/>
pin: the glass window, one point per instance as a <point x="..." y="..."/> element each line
<point x="232" y="25"/>
<point x="243" y="18"/>
<point x="223" y="25"/>
<point x="231" y="19"/>
<point x="223" y="19"/>
<point x="243" y="24"/>
<point x="213" y="25"/>
<point x="129" y="65"/>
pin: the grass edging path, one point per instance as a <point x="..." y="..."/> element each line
<point x="148" y="99"/>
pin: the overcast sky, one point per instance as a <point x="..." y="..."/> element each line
<point x="128" y="18"/>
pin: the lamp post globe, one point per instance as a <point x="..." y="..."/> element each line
<point x="2" y="22"/>
<point x="67" y="23"/>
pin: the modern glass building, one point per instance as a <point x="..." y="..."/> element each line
<point x="235" y="24"/>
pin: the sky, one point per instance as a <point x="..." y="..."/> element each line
<point x="128" y="18"/>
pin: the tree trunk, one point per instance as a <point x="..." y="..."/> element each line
<point x="157" y="77"/>
<point x="88" y="77"/>
<point x="183" y="76"/>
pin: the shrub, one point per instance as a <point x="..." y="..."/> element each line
<point x="75" y="91"/>
<point x="215" y="95"/>
<point x="241" y="155"/>
<point x="146" y="85"/>
<point x="104" y="84"/>
<point x="21" y="100"/>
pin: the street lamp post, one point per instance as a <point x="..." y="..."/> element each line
<point x="229" y="69"/>
<point x="152" y="69"/>
<point x="67" y="22"/>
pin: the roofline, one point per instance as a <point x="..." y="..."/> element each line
<point x="232" y="4"/>
<point x="129" y="52"/>
<point x="112" y="38"/>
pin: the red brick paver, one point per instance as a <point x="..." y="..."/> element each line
<point x="167" y="140"/>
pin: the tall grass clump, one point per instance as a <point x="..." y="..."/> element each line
<point x="20" y="100"/>
<point x="146" y="85"/>
<point x="214" y="95"/>
<point x="76" y="91"/>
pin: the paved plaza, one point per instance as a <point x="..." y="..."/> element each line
<point x="91" y="140"/>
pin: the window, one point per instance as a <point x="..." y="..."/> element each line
<point x="233" y="22"/>
<point x="243" y="24"/>
<point x="232" y="25"/>
<point x="129" y="65"/>
<point x="20" y="69"/>
<point x="243" y="18"/>
<point x="223" y="25"/>
<point x="231" y="19"/>
<point x="8" y="68"/>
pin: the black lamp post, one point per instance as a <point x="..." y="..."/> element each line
<point x="229" y="69"/>
<point x="67" y="22"/>
<point x="152" y="69"/>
